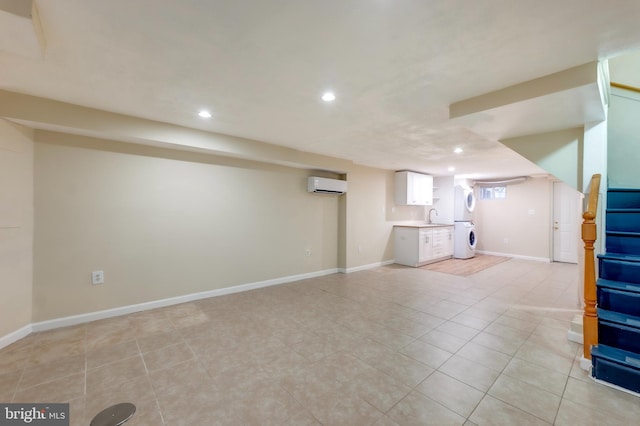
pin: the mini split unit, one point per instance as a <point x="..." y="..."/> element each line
<point x="321" y="185"/>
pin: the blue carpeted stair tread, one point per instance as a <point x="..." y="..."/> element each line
<point x="619" y="330"/>
<point x="616" y="359"/>
<point x="623" y="198"/>
<point x="620" y="257"/>
<point x="627" y="242"/>
<point x="619" y="318"/>
<point x="624" y="210"/>
<point x="616" y="366"/>
<point x="619" y="296"/>
<point x="623" y="234"/>
<point x="620" y="267"/>
<point x="623" y="220"/>
<point x="618" y="285"/>
<point x="617" y="355"/>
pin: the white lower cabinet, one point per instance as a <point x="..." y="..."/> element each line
<point x="417" y="246"/>
<point x="442" y="244"/>
<point x="425" y="245"/>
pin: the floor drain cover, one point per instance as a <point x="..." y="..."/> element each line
<point x="114" y="415"/>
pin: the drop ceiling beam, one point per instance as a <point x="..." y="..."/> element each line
<point x="571" y="78"/>
<point x="17" y="7"/>
<point x="47" y="114"/>
<point x="20" y="29"/>
<point x="564" y="100"/>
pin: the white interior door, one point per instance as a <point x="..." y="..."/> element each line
<point x="566" y="223"/>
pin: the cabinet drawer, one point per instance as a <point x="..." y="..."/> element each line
<point x="439" y="252"/>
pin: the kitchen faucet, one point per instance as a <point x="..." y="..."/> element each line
<point x="429" y="215"/>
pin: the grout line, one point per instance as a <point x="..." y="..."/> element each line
<point x="518" y="408"/>
<point x="155" y="395"/>
<point x="15" y="391"/>
<point x="564" y="389"/>
<point x="499" y="298"/>
<point x="86" y="373"/>
<point x="142" y="357"/>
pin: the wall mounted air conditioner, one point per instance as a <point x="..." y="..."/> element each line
<point x="322" y="185"/>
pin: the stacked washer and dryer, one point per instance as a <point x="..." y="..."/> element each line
<point x="464" y="234"/>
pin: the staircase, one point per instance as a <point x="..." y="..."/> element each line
<point x="616" y="358"/>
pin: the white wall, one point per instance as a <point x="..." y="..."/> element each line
<point x="518" y="225"/>
<point x="624" y="139"/>
<point x="443" y="200"/>
<point x="164" y="223"/>
<point x="369" y="216"/>
<point x="559" y="153"/>
<point x="16" y="226"/>
<point x="624" y="69"/>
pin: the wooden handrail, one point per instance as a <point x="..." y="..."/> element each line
<point x="589" y="235"/>
<point x="625" y="87"/>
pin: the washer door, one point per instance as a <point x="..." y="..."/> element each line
<point x="472" y="239"/>
<point x="470" y="201"/>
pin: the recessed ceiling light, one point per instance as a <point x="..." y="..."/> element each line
<point x="458" y="150"/>
<point x="328" y="96"/>
<point x="451" y="169"/>
<point x="204" y="114"/>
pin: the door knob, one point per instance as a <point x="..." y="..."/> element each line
<point x="555" y="227"/>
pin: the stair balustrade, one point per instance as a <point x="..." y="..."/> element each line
<point x="589" y="235"/>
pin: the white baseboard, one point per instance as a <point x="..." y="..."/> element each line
<point x="15" y="335"/>
<point x="574" y="336"/>
<point x="585" y="364"/>
<point x="365" y="267"/>
<point x="129" y="309"/>
<point x="515" y="256"/>
<point x="576" y="329"/>
<point x="611" y="385"/>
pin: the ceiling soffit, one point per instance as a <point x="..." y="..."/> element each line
<point x="562" y="100"/>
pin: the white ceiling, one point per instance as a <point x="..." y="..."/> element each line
<point x="260" y="66"/>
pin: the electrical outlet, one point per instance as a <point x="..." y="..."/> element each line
<point x="97" y="277"/>
<point x="307" y="252"/>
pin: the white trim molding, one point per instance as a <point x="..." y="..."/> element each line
<point x="575" y="330"/>
<point x="365" y="267"/>
<point x="515" y="256"/>
<point x="574" y="336"/>
<point x="611" y="385"/>
<point x="129" y="309"/>
<point x="125" y="310"/>
<point x="14" y="336"/>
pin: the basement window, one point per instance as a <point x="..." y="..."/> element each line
<point x="493" y="193"/>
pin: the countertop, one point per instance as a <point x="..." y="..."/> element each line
<point x="422" y="225"/>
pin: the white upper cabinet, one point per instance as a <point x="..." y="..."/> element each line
<point x="414" y="189"/>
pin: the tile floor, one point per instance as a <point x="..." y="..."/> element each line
<point x="387" y="346"/>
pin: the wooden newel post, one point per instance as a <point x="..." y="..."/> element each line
<point x="590" y="317"/>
